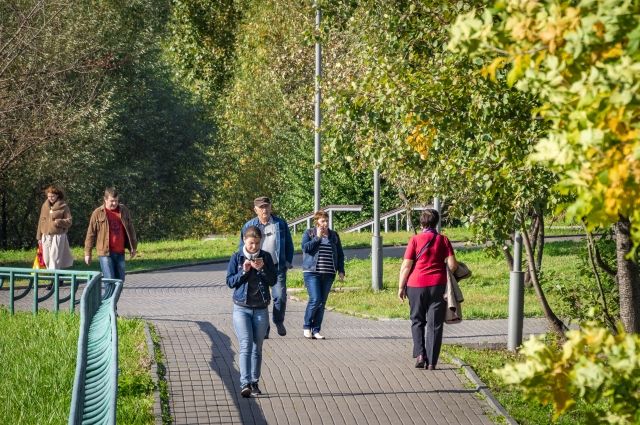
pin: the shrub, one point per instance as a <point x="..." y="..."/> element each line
<point x="594" y="364"/>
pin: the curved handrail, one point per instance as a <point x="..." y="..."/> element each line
<point x="96" y="380"/>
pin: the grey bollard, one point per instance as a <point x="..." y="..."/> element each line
<point x="516" y="297"/>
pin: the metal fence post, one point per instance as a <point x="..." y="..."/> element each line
<point x="376" y="239"/>
<point x="516" y="297"/>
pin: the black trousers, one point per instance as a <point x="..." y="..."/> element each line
<point x="427" y="309"/>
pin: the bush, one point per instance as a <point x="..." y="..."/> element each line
<point x="594" y="364"/>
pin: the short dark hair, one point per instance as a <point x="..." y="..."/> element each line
<point x="54" y="188"/>
<point x="252" y="232"/>
<point x="429" y="218"/>
<point x="110" y="191"/>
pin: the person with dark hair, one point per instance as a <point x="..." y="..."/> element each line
<point x="111" y="232"/>
<point x="53" y="225"/>
<point x="423" y="279"/>
<point x="322" y="258"/>
<point x="278" y="243"/>
<point x="250" y="274"/>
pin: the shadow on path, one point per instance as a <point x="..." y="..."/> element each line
<point x="222" y="363"/>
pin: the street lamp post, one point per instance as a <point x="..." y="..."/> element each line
<point x="318" y="116"/>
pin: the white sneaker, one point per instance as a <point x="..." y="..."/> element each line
<point x="317" y="336"/>
<point x="307" y="333"/>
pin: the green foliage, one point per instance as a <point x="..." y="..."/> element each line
<point x="401" y="100"/>
<point x="581" y="60"/>
<point x="523" y="411"/>
<point x="593" y="365"/>
<point x="137" y="130"/>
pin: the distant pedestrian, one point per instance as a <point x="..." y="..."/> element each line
<point x="250" y="274"/>
<point x="322" y="258"/>
<point x="277" y="241"/>
<point x="53" y="225"/>
<point x="423" y="279"/>
<point x="111" y="232"/>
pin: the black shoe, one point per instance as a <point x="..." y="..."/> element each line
<point x="430" y="367"/>
<point x="246" y="391"/>
<point x="420" y="363"/>
<point x="282" y="331"/>
<point x="255" y="389"/>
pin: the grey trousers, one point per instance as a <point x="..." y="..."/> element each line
<point x="427" y="309"/>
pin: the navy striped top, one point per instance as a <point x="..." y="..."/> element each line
<point x="325" y="258"/>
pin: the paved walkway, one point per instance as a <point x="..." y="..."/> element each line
<point x="362" y="373"/>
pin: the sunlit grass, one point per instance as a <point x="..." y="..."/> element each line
<point x="486" y="292"/>
<point x="38" y="358"/>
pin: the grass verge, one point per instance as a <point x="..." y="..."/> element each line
<point x="38" y="357"/>
<point x="163" y="385"/>
<point x="154" y="255"/>
<point x="486" y="292"/>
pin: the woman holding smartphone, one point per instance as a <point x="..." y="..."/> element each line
<point x="250" y="274"/>
<point x="322" y="258"/>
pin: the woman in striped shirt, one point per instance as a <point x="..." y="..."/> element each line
<point x="322" y="258"/>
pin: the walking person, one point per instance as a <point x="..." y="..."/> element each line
<point x="250" y="274"/>
<point x="322" y="258"/>
<point x="53" y="225"/>
<point x="423" y="279"/>
<point x="277" y="241"/>
<point x="111" y="232"/>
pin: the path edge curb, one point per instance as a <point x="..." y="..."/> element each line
<point x="157" y="409"/>
<point x="482" y="388"/>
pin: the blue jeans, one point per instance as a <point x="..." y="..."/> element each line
<point x="112" y="266"/>
<point x="318" y="285"/>
<point x="250" y="325"/>
<point x="279" y="295"/>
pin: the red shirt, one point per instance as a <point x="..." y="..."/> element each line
<point x="116" y="231"/>
<point x="430" y="269"/>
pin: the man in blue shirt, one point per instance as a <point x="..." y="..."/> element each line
<point x="277" y="241"/>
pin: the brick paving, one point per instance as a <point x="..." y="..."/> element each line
<point x="362" y="373"/>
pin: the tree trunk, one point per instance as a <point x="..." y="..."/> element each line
<point x="628" y="277"/>
<point x="540" y="244"/>
<point x="407" y="207"/>
<point x="555" y="324"/>
<point x="3" y="226"/>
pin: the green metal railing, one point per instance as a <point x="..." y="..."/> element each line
<point x="22" y="281"/>
<point x="96" y="380"/>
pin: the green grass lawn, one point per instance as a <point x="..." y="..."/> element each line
<point x="486" y="293"/>
<point x="524" y="412"/>
<point x="153" y="255"/>
<point x="38" y="358"/>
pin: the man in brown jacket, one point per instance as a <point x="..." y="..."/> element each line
<point x="110" y="231"/>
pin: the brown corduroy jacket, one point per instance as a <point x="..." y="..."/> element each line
<point x="54" y="219"/>
<point x="98" y="231"/>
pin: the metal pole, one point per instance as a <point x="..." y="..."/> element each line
<point x="376" y="239"/>
<point x="516" y="297"/>
<point x="330" y="219"/>
<point x="318" y="116"/>
<point x="436" y="206"/>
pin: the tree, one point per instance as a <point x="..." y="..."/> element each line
<point x="581" y="60"/>
<point x="435" y="126"/>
